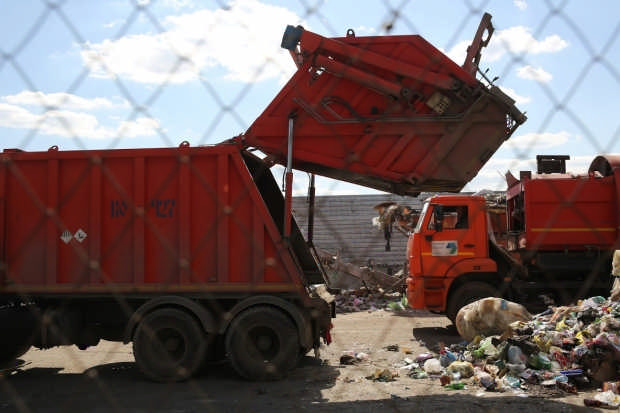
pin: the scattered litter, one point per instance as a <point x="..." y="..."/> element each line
<point x="382" y="375"/>
<point x="347" y="359"/>
<point x="607" y="399"/>
<point x="455" y="386"/>
<point x="464" y="368"/>
<point x="423" y="357"/>
<point x="432" y="366"/>
<point x="350" y="357"/>
<point x="418" y="373"/>
<point x="364" y="299"/>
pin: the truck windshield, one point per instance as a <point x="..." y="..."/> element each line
<point x="421" y="218"/>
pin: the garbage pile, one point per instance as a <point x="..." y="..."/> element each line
<point x="369" y="300"/>
<point x="563" y="349"/>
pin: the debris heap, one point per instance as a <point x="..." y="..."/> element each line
<point x="562" y="349"/>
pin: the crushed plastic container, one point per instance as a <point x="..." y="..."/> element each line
<point x="432" y="366"/>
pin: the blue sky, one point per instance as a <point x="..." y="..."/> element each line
<point x="106" y="74"/>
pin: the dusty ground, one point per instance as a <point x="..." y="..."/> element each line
<point x="105" y="379"/>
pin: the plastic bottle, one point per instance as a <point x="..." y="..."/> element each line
<point x="456" y="386"/>
<point x="486" y="380"/>
<point x="539" y="361"/>
<point x="511" y="381"/>
<point x="515" y="355"/>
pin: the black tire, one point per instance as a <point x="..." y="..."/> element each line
<point x="18" y="325"/>
<point x="468" y="293"/>
<point x="262" y="344"/>
<point x="169" y="345"/>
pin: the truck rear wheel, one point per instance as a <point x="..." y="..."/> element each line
<point x="169" y="345"/>
<point x="262" y="344"/>
<point x="468" y="293"/>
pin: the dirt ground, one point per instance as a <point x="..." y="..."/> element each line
<point x="105" y="379"/>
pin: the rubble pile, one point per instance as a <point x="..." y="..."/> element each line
<point x="562" y="349"/>
<point x="369" y="300"/>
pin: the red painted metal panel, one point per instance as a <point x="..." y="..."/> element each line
<point x="3" y="173"/>
<point x="171" y="219"/>
<point x="74" y="210"/>
<point x="121" y="260"/>
<point x="52" y="223"/>
<point x="184" y="218"/>
<point x="570" y="213"/>
<point x="222" y="218"/>
<point x="137" y="211"/>
<point x="95" y="211"/>
<point x="26" y="238"/>
<point x="388" y="112"/>
<point x="204" y="216"/>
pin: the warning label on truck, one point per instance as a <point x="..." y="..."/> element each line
<point x="444" y="248"/>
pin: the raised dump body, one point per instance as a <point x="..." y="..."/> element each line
<point x="387" y="112"/>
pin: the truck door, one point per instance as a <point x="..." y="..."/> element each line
<point x="447" y="238"/>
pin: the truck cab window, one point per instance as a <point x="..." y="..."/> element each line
<point x="449" y="218"/>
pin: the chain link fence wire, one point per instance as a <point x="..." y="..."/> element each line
<point x="35" y="115"/>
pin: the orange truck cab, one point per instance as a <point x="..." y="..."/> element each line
<point x="448" y="254"/>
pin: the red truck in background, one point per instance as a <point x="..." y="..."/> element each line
<point x="557" y="240"/>
<point x="192" y="252"/>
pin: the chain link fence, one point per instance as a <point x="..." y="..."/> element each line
<point x="152" y="74"/>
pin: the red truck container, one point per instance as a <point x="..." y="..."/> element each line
<point x="181" y="243"/>
<point x="192" y="252"/>
<point x="560" y="233"/>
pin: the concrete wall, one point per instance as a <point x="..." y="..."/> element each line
<point x="344" y="223"/>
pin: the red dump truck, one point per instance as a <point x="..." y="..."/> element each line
<point x="556" y="242"/>
<point x="192" y="252"/>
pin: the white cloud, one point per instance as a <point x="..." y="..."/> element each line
<point x="62" y="100"/>
<point x="237" y="38"/>
<point x="518" y="40"/>
<point x="535" y="141"/>
<point x="515" y="40"/>
<point x="113" y="24"/>
<point x="534" y="73"/>
<point x="178" y="4"/>
<point x="458" y="52"/>
<point x="519" y="100"/>
<point x="138" y="127"/>
<point x="365" y="31"/>
<point x="521" y="4"/>
<point x="72" y="124"/>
